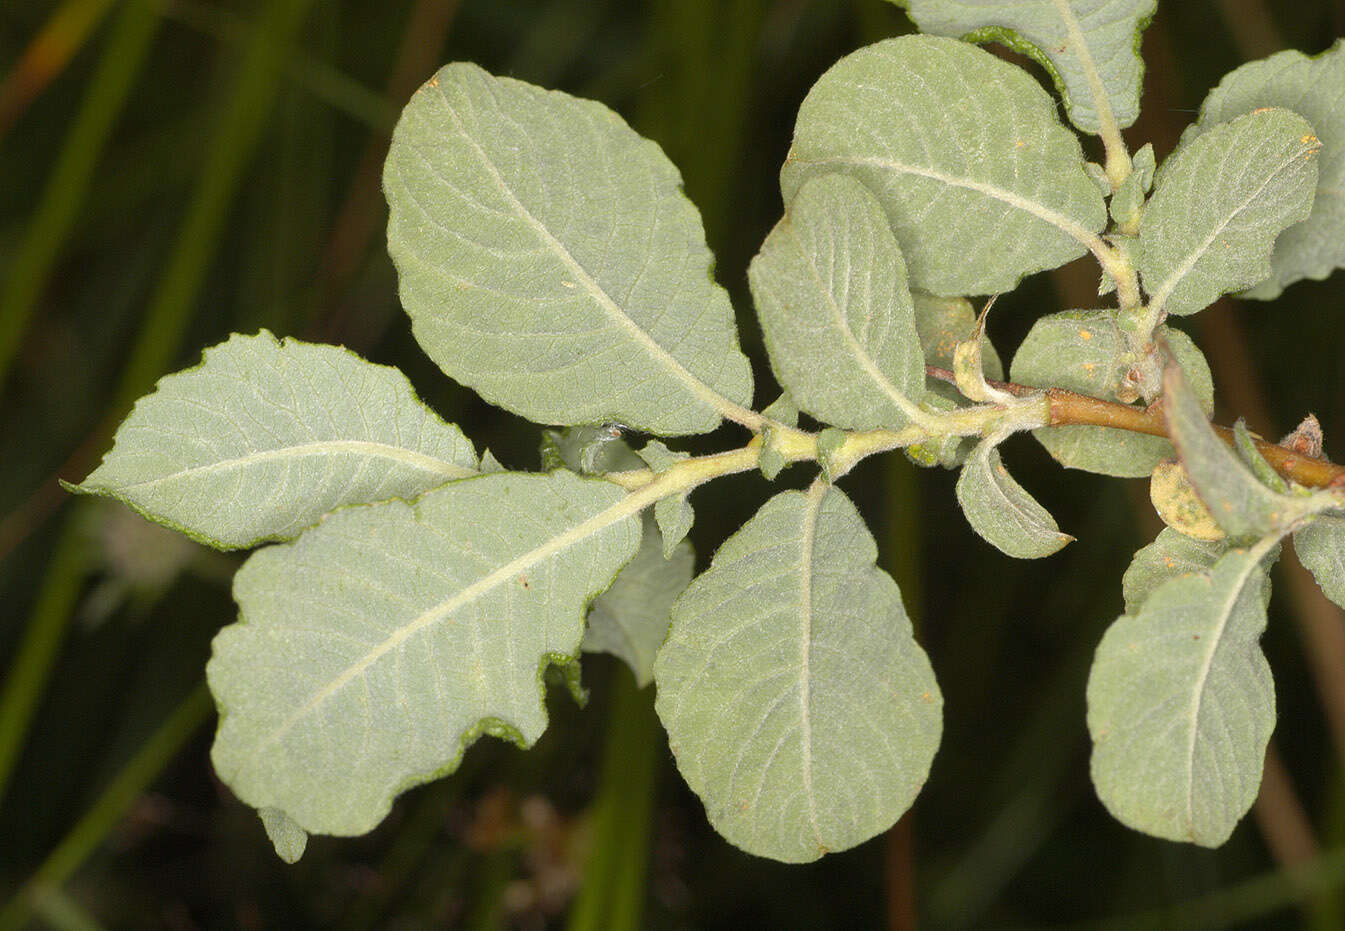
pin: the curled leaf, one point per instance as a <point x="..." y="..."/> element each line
<point x="1001" y="511"/>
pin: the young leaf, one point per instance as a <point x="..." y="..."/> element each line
<point x="549" y="259"/>
<point x="1181" y="703"/>
<point x="1218" y="204"/>
<point x="1245" y="445"/>
<point x="674" y="513"/>
<point x="266" y="436"/>
<point x="1309" y="87"/>
<point x="1089" y="47"/>
<point x="1169" y="556"/>
<point x="1001" y="511"/>
<point x="1240" y="504"/>
<point x="830" y="290"/>
<point x="797" y="702"/>
<point x="630" y="620"/>
<point x="373" y="649"/>
<point x="979" y="193"/>
<point x="942" y="323"/>
<point x="1083" y="351"/>
<point x="1321" y="548"/>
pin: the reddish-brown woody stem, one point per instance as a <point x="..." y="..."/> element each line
<point x="1072" y="408"/>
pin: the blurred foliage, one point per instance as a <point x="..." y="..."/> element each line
<point x="176" y="171"/>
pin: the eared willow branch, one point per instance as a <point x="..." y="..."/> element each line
<point x="1071" y="408"/>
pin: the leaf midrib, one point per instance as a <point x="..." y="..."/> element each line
<point x="367" y="448"/>
<point x="604" y="300"/>
<point x="1175" y="278"/>
<point x="866" y="361"/>
<point x="1254" y="556"/>
<point x="628" y="506"/>
<point x="1031" y="207"/>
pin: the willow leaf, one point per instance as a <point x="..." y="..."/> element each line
<point x="1089" y="47"/>
<point x="630" y="620"/>
<point x="1181" y="703"/>
<point x="1218" y="204"/>
<point x="1321" y="548"/>
<point x="265" y="436"/>
<point x="373" y="649"/>
<point x="1001" y="511"/>
<point x="549" y="259"/>
<point x="1239" y="503"/>
<point x="1311" y="88"/>
<point x="831" y="294"/>
<point x="1169" y="556"/>
<point x="797" y="702"/>
<point x="980" y="192"/>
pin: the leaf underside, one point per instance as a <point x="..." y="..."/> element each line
<point x="1310" y="87"/>
<point x="1218" y="204"/>
<point x="630" y="620"/>
<point x="1090" y="47"/>
<point x="266" y="436"/>
<point x="980" y="182"/>
<point x="1320" y="546"/>
<point x="797" y="702"/>
<point x="831" y="294"/>
<point x="1001" y="510"/>
<point x="549" y="259"/>
<point x="1181" y="704"/>
<point x="379" y="644"/>
<point x="1170" y="555"/>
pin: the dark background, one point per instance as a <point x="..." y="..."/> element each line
<point x="232" y="184"/>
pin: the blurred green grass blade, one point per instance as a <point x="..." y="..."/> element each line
<point x="243" y="116"/>
<point x="326" y="83"/>
<point x="109" y="86"/>
<point x="47" y="55"/>
<point x="104" y="815"/>
<point x="257" y="79"/>
<point x="615" y="880"/>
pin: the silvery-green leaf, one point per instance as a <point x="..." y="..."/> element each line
<point x="673" y="513"/>
<point x="830" y="291"/>
<point x="549" y="259"/>
<point x="373" y="649"/>
<point x="1143" y="164"/>
<point x="1245" y="445"/>
<point x="1321" y="548"/>
<point x="1311" y="88"/>
<point x="1181" y="703"/>
<point x="286" y="837"/>
<point x="1082" y="350"/>
<point x="1125" y="204"/>
<point x="797" y="702"/>
<point x="1169" y="556"/>
<point x="1089" y="47"/>
<point x="630" y="619"/>
<point x="980" y="182"/>
<point x="1001" y="511"/>
<point x="266" y="436"/>
<point x="1244" y="507"/>
<point x="784" y="410"/>
<point x="1218" y="204"/>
